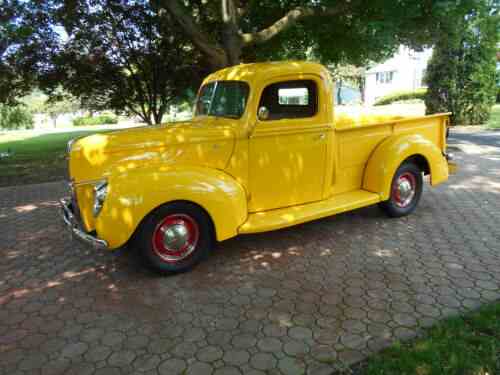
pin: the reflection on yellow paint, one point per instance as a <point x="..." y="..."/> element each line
<point x="93" y="148"/>
<point x="358" y="116"/>
<point x="127" y="217"/>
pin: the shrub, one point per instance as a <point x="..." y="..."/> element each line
<point x="13" y="118"/>
<point x="402" y="96"/>
<point x="461" y="73"/>
<point x="95" y="120"/>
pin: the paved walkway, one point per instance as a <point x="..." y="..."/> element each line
<point x="469" y="135"/>
<point x="295" y="301"/>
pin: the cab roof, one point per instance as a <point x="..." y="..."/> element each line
<point x="263" y="71"/>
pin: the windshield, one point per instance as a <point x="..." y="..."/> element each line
<point x="222" y="99"/>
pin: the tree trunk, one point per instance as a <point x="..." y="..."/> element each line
<point x="339" y="92"/>
<point x="232" y="42"/>
<point x="158" y="116"/>
<point x="232" y="47"/>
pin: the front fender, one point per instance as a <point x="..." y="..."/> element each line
<point x="132" y="196"/>
<point x="392" y="152"/>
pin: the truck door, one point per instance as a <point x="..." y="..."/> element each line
<point x="288" y="145"/>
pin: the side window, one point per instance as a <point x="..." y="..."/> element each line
<point x="290" y="99"/>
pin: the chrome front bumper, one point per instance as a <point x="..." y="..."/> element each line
<point x="75" y="228"/>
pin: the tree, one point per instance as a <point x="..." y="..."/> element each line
<point x="55" y="107"/>
<point x="15" y="117"/>
<point x="461" y="73"/>
<point x="124" y="56"/>
<point x="136" y="55"/>
<point x="352" y="75"/>
<point x="347" y="31"/>
<point x="26" y="42"/>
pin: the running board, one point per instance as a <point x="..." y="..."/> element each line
<point x="286" y="217"/>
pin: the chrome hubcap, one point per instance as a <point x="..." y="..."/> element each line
<point x="404" y="190"/>
<point x="175" y="238"/>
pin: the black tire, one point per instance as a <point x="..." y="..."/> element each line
<point x="396" y="206"/>
<point x="149" y="232"/>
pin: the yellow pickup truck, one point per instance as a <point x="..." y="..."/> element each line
<point x="265" y="150"/>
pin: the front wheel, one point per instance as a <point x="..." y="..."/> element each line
<point x="175" y="237"/>
<point x="406" y="190"/>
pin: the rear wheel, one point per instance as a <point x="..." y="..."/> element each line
<point x="406" y="190"/>
<point x="175" y="237"/>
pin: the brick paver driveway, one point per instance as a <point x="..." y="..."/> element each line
<point x="290" y="302"/>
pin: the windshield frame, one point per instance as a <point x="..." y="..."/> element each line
<point x="217" y="82"/>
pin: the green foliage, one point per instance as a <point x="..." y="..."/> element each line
<point x="124" y="56"/>
<point x="95" y="120"/>
<point x="494" y="122"/>
<point x="461" y="74"/>
<point x="358" y="32"/>
<point x="139" y="57"/>
<point x="15" y="117"/>
<point x="27" y="41"/>
<point x="35" y="101"/>
<point x="402" y="96"/>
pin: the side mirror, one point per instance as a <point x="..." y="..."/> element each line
<point x="263" y="113"/>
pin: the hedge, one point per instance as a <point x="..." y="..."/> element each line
<point x="401" y="96"/>
<point x="95" y="120"/>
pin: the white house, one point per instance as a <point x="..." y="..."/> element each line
<point x="402" y="72"/>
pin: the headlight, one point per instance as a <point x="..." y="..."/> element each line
<point x="100" y="191"/>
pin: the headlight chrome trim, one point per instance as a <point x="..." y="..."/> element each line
<point x="100" y="193"/>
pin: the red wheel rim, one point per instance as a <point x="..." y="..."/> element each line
<point x="404" y="189"/>
<point x="175" y="238"/>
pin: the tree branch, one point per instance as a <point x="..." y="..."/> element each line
<point x="291" y="18"/>
<point x="187" y="23"/>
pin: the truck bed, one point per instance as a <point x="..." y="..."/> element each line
<point x="354" y="117"/>
<point x="358" y="133"/>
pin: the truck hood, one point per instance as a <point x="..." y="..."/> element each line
<point x="199" y="142"/>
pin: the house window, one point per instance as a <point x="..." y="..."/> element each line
<point x="385" y="77"/>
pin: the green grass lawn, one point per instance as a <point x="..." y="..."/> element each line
<point x="466" y="345"/>
<point x="35" y="157"/>
<point x="494" y="122"/>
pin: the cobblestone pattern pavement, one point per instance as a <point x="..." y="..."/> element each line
<point x="295" y="301"/>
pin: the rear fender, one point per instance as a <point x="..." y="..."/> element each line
<point x="392" y="152"/>
<point x="132" y="196"/>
